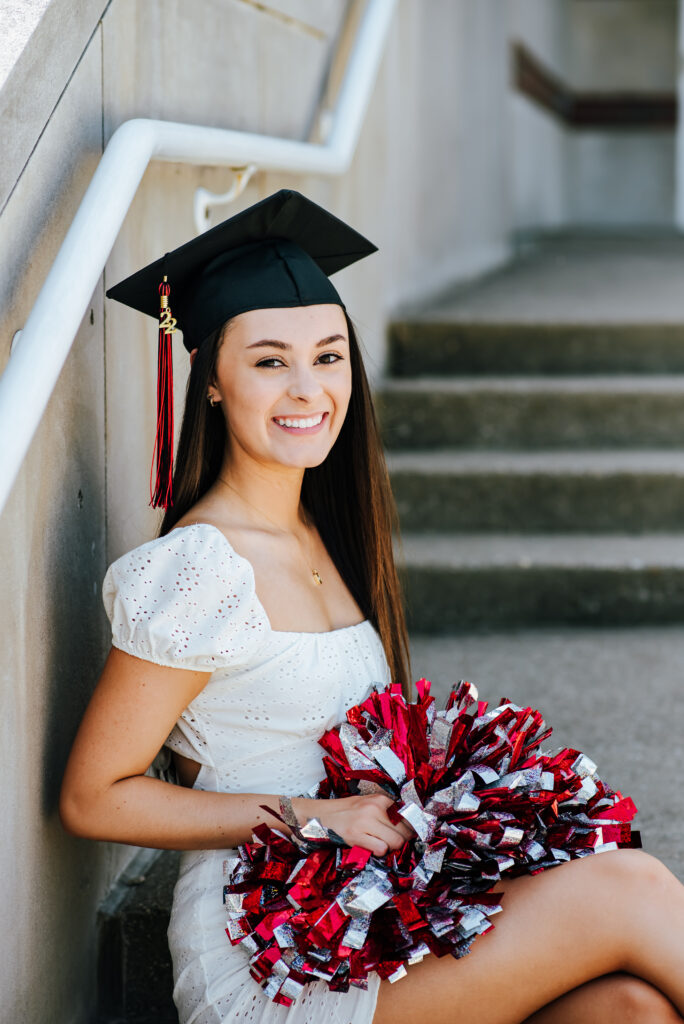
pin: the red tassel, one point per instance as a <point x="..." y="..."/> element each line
<point x="161" y="495"/>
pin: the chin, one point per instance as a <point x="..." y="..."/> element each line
<point x="305" y="461"/>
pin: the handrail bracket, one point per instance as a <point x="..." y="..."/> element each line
<point x="204" y="200"/>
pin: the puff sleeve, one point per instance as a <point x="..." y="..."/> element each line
<point x="185" y="600"/>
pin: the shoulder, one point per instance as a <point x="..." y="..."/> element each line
<point x="186" y="598"/>
<point x="187" y="554"/>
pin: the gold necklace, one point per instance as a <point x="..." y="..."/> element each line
<point x="314" y="572"/>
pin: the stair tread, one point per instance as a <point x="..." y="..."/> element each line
<point x="627" y="278"/>
<point x="560" y="550"/>
<point x="670" y="383"/>
<point x="436" y="317"/>
<point x="576" y="461"/>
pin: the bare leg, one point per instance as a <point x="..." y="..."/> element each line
<point x="617" y="911"/>
<point x="617" y="998"/>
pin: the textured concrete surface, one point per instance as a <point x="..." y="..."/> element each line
<point x="615" y="694"/>
<point x="482" y="582"/>
<point x="527" y="492"/>
<point x="576" y="279"/>
<point x="52" y="552"/>
<point x="135" y="978"/>
<point x="656" y="551"/>
<point x="535" y="441"/>
<point x="597" y="176"/>
<point x="18" y="19"/>
<point x="49" y="41"/>
<point x="422" y="347"/>
<point x="534" y="412"/>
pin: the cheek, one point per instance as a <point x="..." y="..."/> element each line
<point x="248" y="399"/>
<point x="341" y="390"/>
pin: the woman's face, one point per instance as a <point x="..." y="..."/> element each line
<point x="284" y="381"/>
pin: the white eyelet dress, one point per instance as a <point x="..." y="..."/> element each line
<point x="188" y="600"/>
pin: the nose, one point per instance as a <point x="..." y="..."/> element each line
<point x="303" y="384"/>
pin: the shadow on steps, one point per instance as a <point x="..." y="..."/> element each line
<point x="135" y="981"/>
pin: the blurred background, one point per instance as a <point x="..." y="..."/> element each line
<point x="520" y="165"/>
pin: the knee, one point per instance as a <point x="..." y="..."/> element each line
<point x="634" y="1000"/>
<point x="636" y="867"/>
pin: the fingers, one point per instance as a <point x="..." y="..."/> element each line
<point x="363" y="821"/>
<point x="386" y="836"/>
<point x="402" y="826"/>
<point x="382" y="834"/>
<point x="407" y="831"/>
<point x="376" y="846"/>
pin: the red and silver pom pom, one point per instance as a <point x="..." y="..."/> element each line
<point x="485" y="803"/>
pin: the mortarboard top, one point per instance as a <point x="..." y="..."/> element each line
<point x="278" y="252"/>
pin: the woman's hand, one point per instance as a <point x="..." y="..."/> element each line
<point x="359" y="820"/>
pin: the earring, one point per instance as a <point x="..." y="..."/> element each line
<point x="212" y="400"/>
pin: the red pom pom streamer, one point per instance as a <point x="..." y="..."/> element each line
<point x="485" y="803"/>
<point x="161" y="493"/>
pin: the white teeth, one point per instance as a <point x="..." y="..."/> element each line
<point x="312" y="421"/>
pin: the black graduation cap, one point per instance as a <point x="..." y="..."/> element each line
<point x="278" y="252"/>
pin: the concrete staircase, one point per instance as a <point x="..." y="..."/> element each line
<point x="538" y="470"/>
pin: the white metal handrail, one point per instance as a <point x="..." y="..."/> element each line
<point x="37" y="359"/>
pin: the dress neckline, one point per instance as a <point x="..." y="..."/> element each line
<point x="250" y="568"/>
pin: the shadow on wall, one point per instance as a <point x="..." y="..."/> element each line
<point x="75" y="629"/>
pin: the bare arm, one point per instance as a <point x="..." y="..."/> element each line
<point x="106" y="795"/>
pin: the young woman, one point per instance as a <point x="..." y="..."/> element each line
<point x="266" y="606"/>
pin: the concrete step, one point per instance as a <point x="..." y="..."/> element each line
<point x="135" y="981"/>
<point x="424" y="347"/>
<point x="457" y="583"/>
<point x="527" y="492"/>
<point x="622" y="411"/>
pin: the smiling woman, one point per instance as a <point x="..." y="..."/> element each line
<point x="268" y="603"/>
<point x="266" y="607"/>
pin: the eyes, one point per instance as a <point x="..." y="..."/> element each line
<point x="326" y="358"/>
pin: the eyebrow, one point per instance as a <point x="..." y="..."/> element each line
<point x="284" y="345"/>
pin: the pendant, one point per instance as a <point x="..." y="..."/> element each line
<point x="317" y="579"/>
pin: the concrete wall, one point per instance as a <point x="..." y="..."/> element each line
<point x="679" y="135"/>
<point x="630" y="45"/>
<point x="428" y="185"/>
<point x="539" y="180"/>
<point x="622" y="176"/>
<point x="52" y="537"/>
<point x="587" y="177"/>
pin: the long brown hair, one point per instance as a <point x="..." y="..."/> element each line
<point x="348" y="495"/>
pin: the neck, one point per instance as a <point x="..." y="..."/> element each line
<point x="276" y="491"/>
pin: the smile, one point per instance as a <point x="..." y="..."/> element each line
<point x="304" y="424"/>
